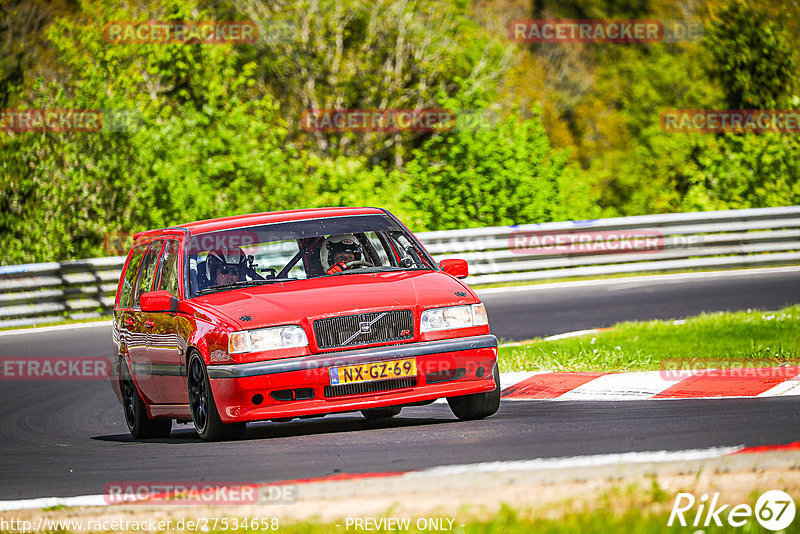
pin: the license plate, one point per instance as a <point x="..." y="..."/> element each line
<point x="367" y="372"/>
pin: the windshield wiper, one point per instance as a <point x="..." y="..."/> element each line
<point x="380" y="268"/>
<point x="376" y="269"/>
<point x="243" y="283"/>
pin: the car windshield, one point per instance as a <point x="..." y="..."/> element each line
<point x="280" y="252"/>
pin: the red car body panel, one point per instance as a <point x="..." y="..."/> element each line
<point x="156" y="345"/>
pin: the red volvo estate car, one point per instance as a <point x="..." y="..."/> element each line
<point x="295" y="314"/>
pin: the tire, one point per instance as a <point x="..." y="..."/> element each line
<point x="381" y="413"/>
<point x="205" y="416"/>
<point x="139" y="425"/>
<point x="478" y="405"/>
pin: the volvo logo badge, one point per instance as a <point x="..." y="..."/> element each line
<point x="364" y="327"/>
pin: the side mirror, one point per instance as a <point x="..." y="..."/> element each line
<point x="453" y="267"/>
<point x="159" y="301"/>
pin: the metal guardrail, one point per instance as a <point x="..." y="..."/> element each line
<point x="678" y="241"/>
<point x="49" y="292"/>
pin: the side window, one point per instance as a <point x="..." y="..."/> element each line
<point x="130" y="276"/>
<point x="146" y="272"/>
<point x="168" y="268"/>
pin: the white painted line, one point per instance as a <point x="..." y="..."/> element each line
<point x="575" y="333"/>
<point x="515" y="343"/>
<point x="565" y="335"/>
<point x="621" y="386"/>
<point x="47" y="502"/>
<point x="578" y="461"/>
<point x="54" y="328"/>
<point x="633" y="279"/>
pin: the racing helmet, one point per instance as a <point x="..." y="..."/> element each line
<point x="231" y="257"/>
<point x="338" y="243"/>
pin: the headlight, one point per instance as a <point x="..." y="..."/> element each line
<point x="453" y="317"/>
<point x="277" y="337"/>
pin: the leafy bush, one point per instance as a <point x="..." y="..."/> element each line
<point x="489" y="170"/>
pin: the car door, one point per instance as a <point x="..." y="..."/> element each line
<point x="127" y="324"/>
<point x="167" y="344"/>
<point x="142" y="324"/>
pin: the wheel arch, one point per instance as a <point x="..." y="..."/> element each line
<point x="125" y="360"/>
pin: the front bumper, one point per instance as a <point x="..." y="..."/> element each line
<point x="445" y="368"/>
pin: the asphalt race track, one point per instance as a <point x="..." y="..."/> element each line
<point x="69" y="438"/>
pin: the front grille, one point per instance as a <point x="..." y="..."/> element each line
<point x="364" y="328"/>
<point x="369" y="387"/>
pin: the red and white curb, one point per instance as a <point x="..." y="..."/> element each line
<point x="667" y="384"/>
<point x="538" y="464"/>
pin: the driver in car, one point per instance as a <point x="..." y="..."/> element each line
<point x="225" y="266"/>
<point x="338" y="251"/>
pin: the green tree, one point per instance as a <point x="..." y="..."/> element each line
<point x="753" y="57"/>
<point x="371" y="54"/>
<point x="206" y="141"/>
<point x="755" y="61"/>
<point x="490" y="170"/>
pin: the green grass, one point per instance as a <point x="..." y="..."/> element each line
<point x="731" y="339"/>
<point x="632" y="507"/>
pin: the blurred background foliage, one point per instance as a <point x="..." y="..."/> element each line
<point x="547" y="131"/>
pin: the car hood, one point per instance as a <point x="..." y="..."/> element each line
<point x="300" y="301"/>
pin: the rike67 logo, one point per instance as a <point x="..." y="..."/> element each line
<point x="774" y="510"/>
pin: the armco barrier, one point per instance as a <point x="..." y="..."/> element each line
<point x="47" y="292"/>
<point x="719" y="239"/>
